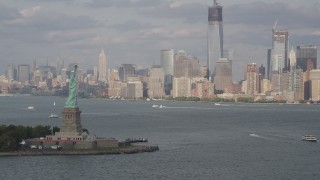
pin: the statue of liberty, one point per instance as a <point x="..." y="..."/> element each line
<point x="72" y="99"/>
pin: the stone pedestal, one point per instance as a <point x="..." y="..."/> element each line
<point x="71" y="122"/>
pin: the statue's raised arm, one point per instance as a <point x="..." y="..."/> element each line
<point x="73" y="93"/>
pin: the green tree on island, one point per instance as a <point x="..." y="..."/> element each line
<point x="12" y="135"/>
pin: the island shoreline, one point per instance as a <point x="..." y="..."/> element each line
<point x="112" y="151"/>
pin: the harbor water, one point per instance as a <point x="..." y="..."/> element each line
<point x="197" y="140"/>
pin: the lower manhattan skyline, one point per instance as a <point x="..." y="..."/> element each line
<point x="135" y="31"/>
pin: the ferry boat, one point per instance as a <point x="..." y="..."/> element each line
<point x="52" y="115"/>
<point x="310" y="138"/>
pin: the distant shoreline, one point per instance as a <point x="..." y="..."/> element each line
<point x="121" y="150"/>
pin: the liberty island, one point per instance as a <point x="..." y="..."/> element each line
<point x="73" y="138"/>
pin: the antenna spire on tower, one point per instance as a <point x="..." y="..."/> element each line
<point x="214" y="2"/>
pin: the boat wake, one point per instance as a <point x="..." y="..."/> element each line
<point x="254" y="135"/>
<point x="262" y="137"/>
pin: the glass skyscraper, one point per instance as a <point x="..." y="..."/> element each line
<point x="279" y="57"/>
<point x="167" y="57"/>
<point x="223" y="76"/>
<point x="305" y="53"/>
<point x="126" y="70"/>
<point x="24" y="73"/>
<point x="279" y="50"/>
<point x="215" y="37"/>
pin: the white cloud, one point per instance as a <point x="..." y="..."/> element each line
<point x="30" y="11"/>
<point x="316" y="33"/>
<point x="177" y="4"/>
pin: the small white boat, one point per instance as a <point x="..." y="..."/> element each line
<point x="161" y="106"/>
<point x="217" y="104"/>
<point x="52" y="115"/>
<point x="155" y="105"/>
<point x="310" y="138"/>
<point x="30" y="108"/>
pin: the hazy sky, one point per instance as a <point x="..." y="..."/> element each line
<point x="134" y="31"/>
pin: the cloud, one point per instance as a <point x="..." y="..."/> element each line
<point x="252" y="14"/>
<point x="48" y="1"/>
<point x="316" y="33"/>
<point x="166" y="33"/>
<point x="261" y="13"/>
<point x="131" y="25"/>
<point x="123" y="3"/>
<point x="37" y="25"/>
<point x="41" y="19"/>
<point x="68" y="36"/>
<point x="7" y="13"/>
<point x="189" y="12"/>
<point x="30" y="11"/>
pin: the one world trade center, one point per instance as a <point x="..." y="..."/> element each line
<point x="215" y="37"/>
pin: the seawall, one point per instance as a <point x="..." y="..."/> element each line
<point x="121" y="150"/>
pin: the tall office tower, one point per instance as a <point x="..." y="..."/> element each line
<point x="315" y="85"/>
<point x="167" y="57"/>
<point x="265" y="86"/>
<point x="37" y="77"/>
<point x="95" y="73"/>
<point x="185" y="65"/>
<point x="135" y="89"/>
<point x="279" y="57"/>
<point x="293" y="58"/>
<point x="156" y="82"/>
<point x="102" y="67"/>
<point x="223" y="76"/>
<point x="262" y="71"/>
<point x="269" y="68"/>
<point x="304" y="53"/>
<point x="295" y="82"/>
<point x="181" y="87"/>
<point x="34" y="66"/>
<point x="215" y="37"/>
<point x="11" y="72"/>
<point x="279" y="53"/>
<point x="307" y="81"/>
<point x="253" y="80"/>
<point x="24" y="73"/>
<point x="126" y="70"/>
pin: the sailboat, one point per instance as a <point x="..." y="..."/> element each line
<point x="53" y="115"/>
